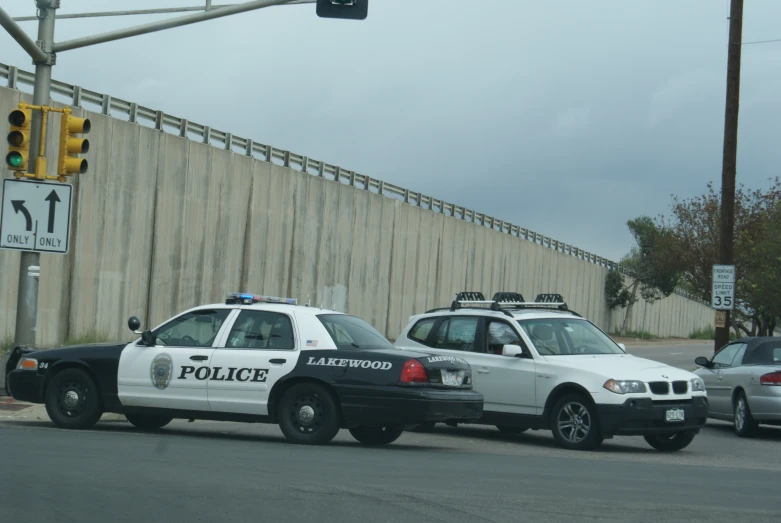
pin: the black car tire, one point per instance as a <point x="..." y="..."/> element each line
<point x="576" y="407"/>
<point x="508" y="429"/>
<point x="72" y="400"/>
<point x="148" y="421"/>
<point x="377" y="435"/>
<point x="747" y="426"/>
<point x="308" y="414"/>
<point x="670" y="442"/>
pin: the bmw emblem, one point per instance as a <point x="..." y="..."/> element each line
<point x="161" y="369"/>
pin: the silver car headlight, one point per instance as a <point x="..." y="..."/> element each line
<point x="698" y="385"/>
<point x="625" y="386"/>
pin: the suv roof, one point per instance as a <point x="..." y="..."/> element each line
<point x="510" y="304"/>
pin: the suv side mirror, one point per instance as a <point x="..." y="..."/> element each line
<point x="623" y="347"/>
<point x="134" y="324"/>
<point x="514" y="351"/>
<point x="148" y="339"/>
<point x="702" y="361"/>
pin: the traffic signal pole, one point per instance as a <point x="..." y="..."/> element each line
<point x="29" y="266"/>
<point x="43" y="53"/>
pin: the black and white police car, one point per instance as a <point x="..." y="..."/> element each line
<point x="252" y="359"/>
<point x="540" y="365"/>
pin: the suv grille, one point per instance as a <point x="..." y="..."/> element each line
<point x="659" y="387"/>
<point x="680" y="387"/>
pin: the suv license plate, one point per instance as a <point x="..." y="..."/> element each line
<point x="452" y="379"/>
<point x="674" y="415"/>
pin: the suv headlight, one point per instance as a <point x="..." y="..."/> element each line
<point x="698" y="385"/>
<point x="27" y="364"/>
<point x="624" y="386"/>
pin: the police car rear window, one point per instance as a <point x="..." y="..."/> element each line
<point x="349" y="332"/>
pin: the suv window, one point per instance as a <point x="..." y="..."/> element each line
<point x="349" y="332"/>
<point x="457" y="333"/>
<point x="568" y="336"/>
<point x="499" y="334"/>
<point x="421" y="330"/>
<point x="193" y="329"/>
<point x="261" y="330"/>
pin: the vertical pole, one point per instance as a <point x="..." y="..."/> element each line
<point x="729" y="161"/>
<point x="27" y="300"/>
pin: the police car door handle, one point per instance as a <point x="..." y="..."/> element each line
<point x="277" y="360"/>
<point x="483" y="370"/>
<point x="199" y="358"/>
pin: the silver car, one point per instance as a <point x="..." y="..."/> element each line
<point x="743" y="382"/>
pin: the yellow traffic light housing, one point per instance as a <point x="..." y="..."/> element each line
<point x="71" y="145"/>
<point x="19" y="139"/>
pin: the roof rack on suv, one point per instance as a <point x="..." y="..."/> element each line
<point x="504" y="301"/>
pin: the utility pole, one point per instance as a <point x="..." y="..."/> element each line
<point x="29" y="267"/>
<point x="729" y="161"/>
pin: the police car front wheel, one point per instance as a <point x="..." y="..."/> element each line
<point x="72" y="400"/>
<point x="377" y="435"/>
<point x="308" y="414"/>
<point x="148" y="421"/>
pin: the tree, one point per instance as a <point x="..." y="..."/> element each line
<point x="652" y="276"/>
<point x="692" y="247"/>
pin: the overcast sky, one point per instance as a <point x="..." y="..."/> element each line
<point x="567" y="117"/>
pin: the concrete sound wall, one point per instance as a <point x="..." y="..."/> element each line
<point x="162" y="223"/>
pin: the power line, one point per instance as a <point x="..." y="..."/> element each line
<point x="761" y="42"/>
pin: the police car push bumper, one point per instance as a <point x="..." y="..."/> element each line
<point x="252" y="359"/>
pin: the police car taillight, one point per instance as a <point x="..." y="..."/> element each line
<point x="413" y="372"/>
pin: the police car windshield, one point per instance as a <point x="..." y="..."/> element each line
<point x="568" y="337"/>
<point x="349" y="332"/>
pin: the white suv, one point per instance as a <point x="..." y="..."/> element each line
<point x="541" y="366"/>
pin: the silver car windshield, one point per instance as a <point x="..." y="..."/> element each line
<point x="567" y="337"/>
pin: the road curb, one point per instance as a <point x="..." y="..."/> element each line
<point x="37" y="412"/>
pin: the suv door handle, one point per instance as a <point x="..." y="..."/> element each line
<point x="199" y="358"/>
<point x="277" y="360"/>
<point x="483" y="370"/>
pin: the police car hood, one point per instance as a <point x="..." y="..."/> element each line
<point x="77" y="351"/>
<point x="621" y="367"/>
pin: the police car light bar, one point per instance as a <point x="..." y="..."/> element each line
<point x="249" y="299"/>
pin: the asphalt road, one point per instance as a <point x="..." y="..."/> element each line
<point x="233" y="472"/>
<point x="680" y="355"/>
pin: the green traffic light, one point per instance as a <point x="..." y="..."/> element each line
<point x="14" y="159"/>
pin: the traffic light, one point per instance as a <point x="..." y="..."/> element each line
<point x="71" y="145"/>
<point x="348" y="9"/>
<point x="19" y="139"/>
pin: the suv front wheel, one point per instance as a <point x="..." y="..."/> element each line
<point x="574" y="423"/>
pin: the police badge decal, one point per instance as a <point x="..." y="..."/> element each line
<point x="161" y="369"/>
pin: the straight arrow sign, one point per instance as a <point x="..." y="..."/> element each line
<point x="19" y="207"/>
<point x="52" y="199"/>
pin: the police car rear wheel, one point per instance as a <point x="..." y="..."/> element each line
<point x="377" y="435"/>
<point x="308" y="414"/>
<point x="148" y="421"/>
<point x="72" y="400"/>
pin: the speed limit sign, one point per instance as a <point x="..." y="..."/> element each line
<point x="723" y="291"/>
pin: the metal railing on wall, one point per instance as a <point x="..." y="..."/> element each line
<point x="76" y="96"/>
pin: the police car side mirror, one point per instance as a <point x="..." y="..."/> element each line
<point x="513" y="351"/>
<point x="148" y="339"/>
<point x="134" y="324"/>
